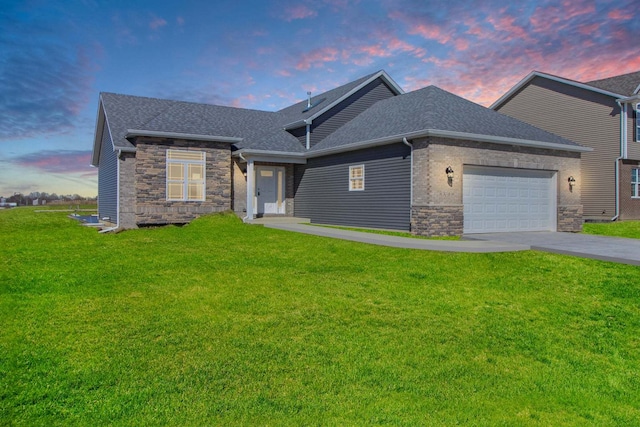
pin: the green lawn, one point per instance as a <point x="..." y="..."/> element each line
<point x="221" y="323"/>
<point x="616" y="229"/>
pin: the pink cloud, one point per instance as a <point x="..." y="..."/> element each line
<point x="298" y="12"/>
<point x="317" y="58"/>
<point x="65" y="161"/>
<point x="432" y="32"/>
<point x="157" y="23"/>
<point x="588" y="29"/>
<point x="180" y="20"/>
<point x="507" y="25"/>
<point x="618" y="15"/>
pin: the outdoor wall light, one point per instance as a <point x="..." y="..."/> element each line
<point x="572" y="182"/>
<point x="449" y="172"/>
<point x="244" y="172"/>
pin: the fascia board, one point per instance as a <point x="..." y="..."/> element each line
<point x="629" y="99"/>
<point x="448" y="134"/>
<point x="132" y="133"/>
<point x="509" y="141"/>
<point x="533" y="74"/>
<point x="271" y="156"/>
<point x="97" y="137"/>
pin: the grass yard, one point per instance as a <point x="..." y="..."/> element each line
<point x="221" y="323"/>
<point x="616" y="229"/>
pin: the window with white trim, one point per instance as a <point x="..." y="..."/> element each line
<point x="356" y="178"/>
<point x="635" y="183"/>
<point x="186" y="175"/>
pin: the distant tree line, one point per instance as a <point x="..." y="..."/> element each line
<point x="44" y="198"/>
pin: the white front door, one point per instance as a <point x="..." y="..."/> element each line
<point x="269" y="190"/>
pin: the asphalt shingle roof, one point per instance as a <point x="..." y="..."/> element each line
<point x="429" y="108"/>
<point x="432" y="108"/>
<point x="259" y="129"/>
<point x="624" y="84"/>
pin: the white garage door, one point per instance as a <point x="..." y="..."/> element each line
<point x="503" y="199"/>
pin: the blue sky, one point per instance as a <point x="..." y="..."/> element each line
<point x="57" y="56"/>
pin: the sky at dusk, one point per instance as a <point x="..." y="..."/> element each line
<point x="57" y="56"/>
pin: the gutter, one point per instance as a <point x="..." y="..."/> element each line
<point x="132" y="133"/>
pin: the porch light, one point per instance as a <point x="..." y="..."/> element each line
<point x="572" y="182"/>
<point x="449" y="172"/>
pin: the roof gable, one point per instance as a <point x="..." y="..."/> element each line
<point x="432" y="110"/>
<point x="295" y="115"/>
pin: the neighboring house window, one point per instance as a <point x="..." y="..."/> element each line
<point x="356" y="178"/>
<point x="185" y="175"/>
<point x="635" y="183"/>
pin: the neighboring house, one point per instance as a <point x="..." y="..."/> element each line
<point x="601" y="114"/>
<point x="364" y="154"/>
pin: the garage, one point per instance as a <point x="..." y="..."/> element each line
<point x="506" y="199"/>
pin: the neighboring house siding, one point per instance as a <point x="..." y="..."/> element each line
<point x="322" y="189"/>
<point x="346" y="110"/>
<point x="588" y="118"/>
<point x="107" y="179"/>
<point x="633" y="146"/>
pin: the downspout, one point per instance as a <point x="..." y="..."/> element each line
<point x="410" y="145"/>
<point x="623" y="141"/>
<point x="110" y="229"/>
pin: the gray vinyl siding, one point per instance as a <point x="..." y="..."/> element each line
<point x="322" y="189"/>
<point x="107" y="179"/>
<point x="349" y="108"/>
<point x="588" y="118"/>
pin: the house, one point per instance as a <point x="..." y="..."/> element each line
<point x="601" y="114"/>
<point x="364" y="154"/>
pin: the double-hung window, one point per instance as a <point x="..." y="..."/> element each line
<point x="356" y="178"/>
<point x="635" y="183"/>
<point x="186" y="175"/>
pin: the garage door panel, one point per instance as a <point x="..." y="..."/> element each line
<point x="503" y="199"/>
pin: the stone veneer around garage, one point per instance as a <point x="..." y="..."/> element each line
<point x="151" y="204"/>
<point x="437" y="208"/>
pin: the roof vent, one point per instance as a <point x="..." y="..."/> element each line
<point x="308" y="100"/>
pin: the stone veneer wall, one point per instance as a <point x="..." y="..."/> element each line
<point x="151" y="205"/>
<point x="127" y="190"/>
<point x="437" y="206"/>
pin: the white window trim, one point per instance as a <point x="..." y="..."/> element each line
<point x="185" y="181"/>
<point x="635" y="184"/>
<point x="353" y="179"/>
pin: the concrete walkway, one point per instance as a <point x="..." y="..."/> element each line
<point x="401" y="242"/>
<point x="615" y="249"/>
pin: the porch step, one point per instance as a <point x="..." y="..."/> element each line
<point x="279" y="220"/>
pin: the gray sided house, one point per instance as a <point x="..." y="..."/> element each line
<point x="364" y="154"/>
<point x="601" y="114"/>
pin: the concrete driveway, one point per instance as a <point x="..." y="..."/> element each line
<point x="616" y="249"/>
